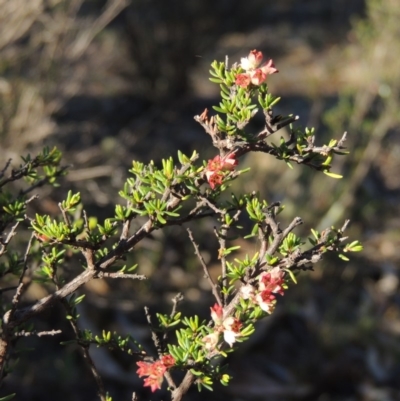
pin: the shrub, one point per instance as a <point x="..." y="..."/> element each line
<point x="174" y="193"/>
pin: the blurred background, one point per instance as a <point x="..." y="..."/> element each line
<point x="112" y="81"/>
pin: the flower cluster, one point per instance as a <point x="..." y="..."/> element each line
<point x="216" y="167"/>
<point x="230" y="327"/>
<point x="155" y="371"/>
<point x="254" y="73"/>
<point x="269" y="283"/>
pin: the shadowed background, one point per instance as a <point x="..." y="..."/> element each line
<point x="112" y="81"/>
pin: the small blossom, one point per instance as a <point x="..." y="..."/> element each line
<point x="243" y="80"/>
<point x="211" y="340"/>
<point x="253" y="73"/>
<point x="155" y="371"/>
<point x="215" y="179"/>
<point x="252" y="61"/>
<point x="154" y="382"/>
<point x="257" y="77"/>
<point x="216" y="167"/>
<point x="266" y="301"/>
<point x="145" y="368"/>
<point x="269" y="68"/>
<point x="156" y="368"/>
<point x="168" y="361"/>
<point x="216" y="314"/>
<point x="272" y="280"/>
<point x="247" y="291"/>
<point x="232" y="328"/>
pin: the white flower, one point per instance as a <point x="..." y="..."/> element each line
<point x="247" y="291"/>
<point x="232" y="328"/>
<point x="252" y="61"/>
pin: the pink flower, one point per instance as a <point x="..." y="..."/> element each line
<point x="155" y="371"/>
<point x="216" y="167"/>
<point x="232" y="328"/>
<point x="145" y="368"/>
<point x="266" y="301"/>
<point x="243" y="80"/>
<point x="168" y="361"/>
<point x="154" y="382"/>
<point x="254" y="74"/>
<point x="257" y="77"/>
<point x="272" y="281"/>
<point x="252" y="61"/>
<point x="269" y="68"/>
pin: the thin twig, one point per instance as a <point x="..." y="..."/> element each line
<point x="207" y="202"/>
<point x="65" y="215"/>
<point x="5" y="289"/>
<point x="102" y="274"/>
<point x="85" y="350"/>
<point x="203" y="264"/>
<point x="279" y="236"/>
<point x="8" y="238"/>
<point x="175" y="301"/>
<point x="42" y="182"/>
<point x="154" y="336"/>
<point x="7" y="165"/>
<point x="221" y="236"/>
<point x="158" y="344"/>
<point x="24" y="333"/>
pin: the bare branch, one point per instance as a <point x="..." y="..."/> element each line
<point x="102" y="274"/>
<point x="24" y="333"/>
<point x="183" y="388"/>
<point x="7" y="165"/>
<point x="4" y="243"/>
<point x="213" y="286"/>
<point x="279" y="236"/>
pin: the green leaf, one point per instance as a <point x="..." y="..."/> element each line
<point x="161" y="219"/>
<point x="291" y="274"/>
<point x="333" y="175"/>
<point x="219" y="109"/>
<point x="8" y="397"/>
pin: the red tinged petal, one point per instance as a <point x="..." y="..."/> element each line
<point x="144" y="368"/>
<point x="153" y="382"/>
<point x="269" y="68"/>
<point x="243" y="80"/>
<point x="216" y="313"/>
<point x="229" y="162"/>
<point x="258" y="77"/>
<point x="168" y="361"/>
<point x="216" y="166"/>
